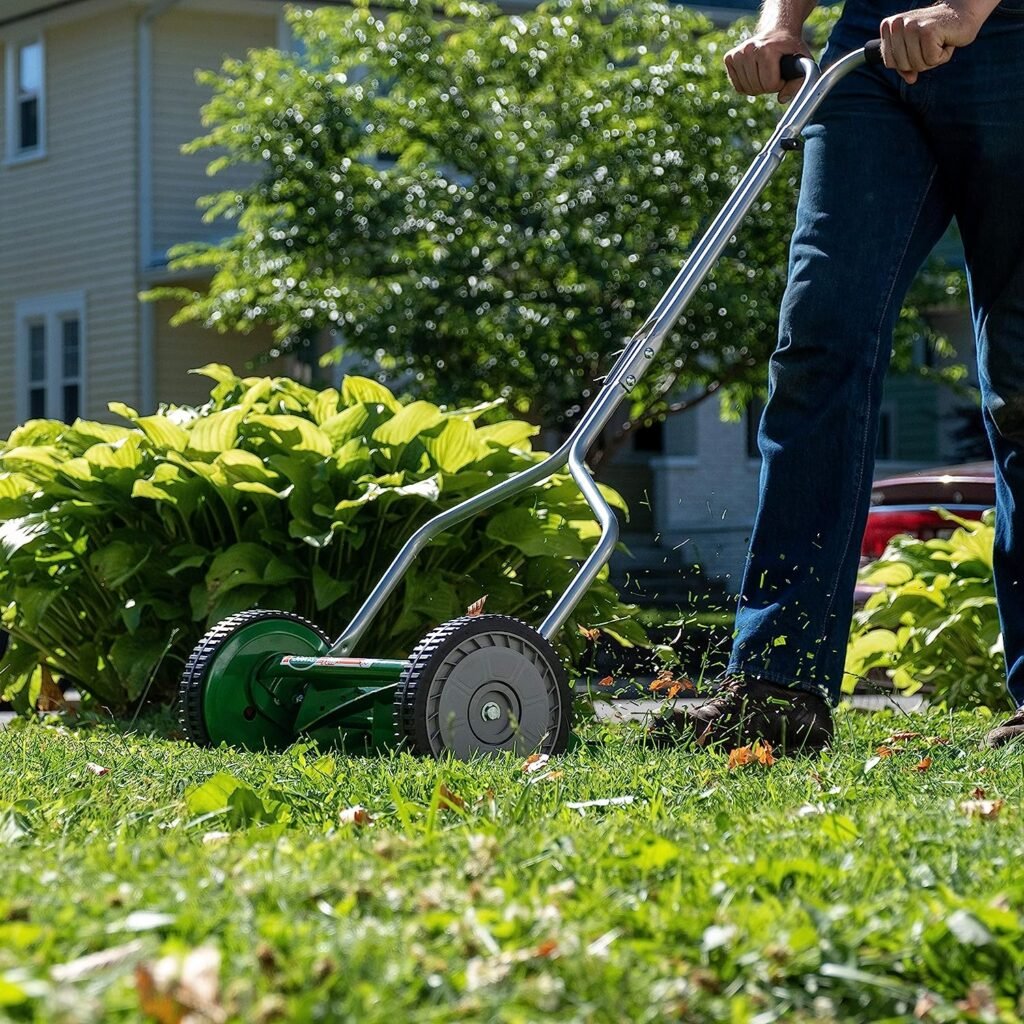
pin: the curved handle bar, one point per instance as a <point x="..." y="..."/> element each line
<point x="794" y="65"/>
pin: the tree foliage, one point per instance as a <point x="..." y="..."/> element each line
<point x="488" y="205"/>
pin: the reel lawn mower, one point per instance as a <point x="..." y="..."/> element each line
<point x="478" y="684"/>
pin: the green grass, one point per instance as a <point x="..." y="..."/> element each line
<point x="845" y="888"/>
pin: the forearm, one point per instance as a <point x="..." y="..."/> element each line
<point x="790" y="15"/>
<point x="975" y="11"/>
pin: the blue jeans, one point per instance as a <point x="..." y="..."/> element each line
<point x="887" y="166"/>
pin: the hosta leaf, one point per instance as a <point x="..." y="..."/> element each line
<point x="455" y="447"/>
<point x="520" y="528"/>
<point x="326" y="589"/>
<point x="30" y="460"/>
<point x="216" y="432"/>
<point x="888" y="574"/>
<point x="218" y="372"/>
<point x="17" y="533"/>
<point x="346" y="425"/>
<point x="428" y="489"/>
<point x="123" y="454"/>
<point x="118" y="562"/>
<point x="294" y="432"/>
<point x="136" y="656"/>
<point x="246" y="563"/>
<point x="36" y="433"/>
<point x="88" y="432"/>
<point x="509" y="434"/>
<point x="33" y="602"/>
<point x="362" y="389"/>
<point x="408" y="423"/>
<point x="13" y="485"/>
<point x="250" y="474"/>
<point x="256" y="393"/>
<point x="164" y="433"/>
<point x="325" y="405"/>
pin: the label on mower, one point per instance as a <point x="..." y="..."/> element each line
<point x="304" y="661"/>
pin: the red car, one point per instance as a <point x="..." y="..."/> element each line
<point x="906" y="503"/>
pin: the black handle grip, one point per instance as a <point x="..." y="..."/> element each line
<point x="873" y="53"/>
<point x="789" y="67"/>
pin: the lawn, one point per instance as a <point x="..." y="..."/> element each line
<point x="143" y="878"/>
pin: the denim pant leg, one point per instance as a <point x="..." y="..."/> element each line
<point x="975" y="118"/>
<point x="871" y="208"/>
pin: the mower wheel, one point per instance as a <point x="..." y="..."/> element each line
<point x="481" y="685"/>
<point x="219" y="700"/>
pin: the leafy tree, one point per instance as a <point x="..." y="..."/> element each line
<point x="487" y="205"/>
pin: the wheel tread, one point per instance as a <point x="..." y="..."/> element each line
<point x="190" y="688"/>
<point x="406" y="708"/>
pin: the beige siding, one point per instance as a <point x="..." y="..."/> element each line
<point x="184" y="40"/>
<point x="67" y="222"/>
<point x="180" y="349"/>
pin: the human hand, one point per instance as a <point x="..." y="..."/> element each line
<point x="925" y="38"/>
<point x="754" y="65"/>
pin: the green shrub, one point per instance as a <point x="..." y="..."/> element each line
<point x="122" y="544"/>
<point x="934" y="622"/>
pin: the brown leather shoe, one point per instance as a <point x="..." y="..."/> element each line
<point x="1012" y="729"/>
<point x="747" y="709"/>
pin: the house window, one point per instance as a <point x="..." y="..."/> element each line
<point x="51" y="357"/>
<point x="26" y="100"/>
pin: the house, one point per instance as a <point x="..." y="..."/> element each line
<point x="98" y="96"/>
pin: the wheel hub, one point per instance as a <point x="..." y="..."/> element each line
<point x="493" y="712"/>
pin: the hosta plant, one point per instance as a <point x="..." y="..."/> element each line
<point x="933" y="621"/>
<point x="122" y="544"/>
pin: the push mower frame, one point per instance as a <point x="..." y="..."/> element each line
<point x="307" y="686"/>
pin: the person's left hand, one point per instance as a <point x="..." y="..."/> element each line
<point x="926" y="37"/>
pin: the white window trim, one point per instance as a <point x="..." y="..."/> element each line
<point x="12" y="156"/>
<point x="51" y="309"/>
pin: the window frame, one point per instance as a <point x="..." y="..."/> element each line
<point x="53" y="311"/>
<point x="13" y="154"/>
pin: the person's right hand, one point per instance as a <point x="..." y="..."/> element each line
<point x="753" y="65"/>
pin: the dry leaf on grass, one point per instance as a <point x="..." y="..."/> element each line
<point x="979" y="1001"/>
<point x="358" y="816"/>
<point x="477" y="607"/>
<point x="51" y="697"/>
<point x="182" y="990"/>
<point x="535" y="763"/>
<point x="739" y="757"/>
<point x="547" y="948"/>
<point x="760" y="753"/>
<point x="96" y="769"/>
<point x="447" y="800"/>
<point x="884" y="751"/>
<point x="923" y="765"/>
<point x="662" y="681"/>
<point x="977" y="793"/>
<point x="987" y="810"/>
